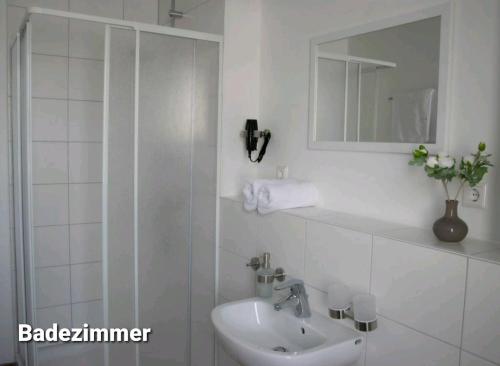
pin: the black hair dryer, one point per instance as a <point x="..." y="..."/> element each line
<point x="252" y="135"/>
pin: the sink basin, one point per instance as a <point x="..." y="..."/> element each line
<point x="255" y="334"/>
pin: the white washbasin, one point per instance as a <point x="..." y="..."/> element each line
<point x="255" y="334"/>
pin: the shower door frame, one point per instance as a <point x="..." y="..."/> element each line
<point x="138" y="28"/>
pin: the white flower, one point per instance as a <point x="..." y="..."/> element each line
<point x="432" y="162"/>
<point x="443" y="155"/>
<point x="470" y="159"/>
<point x="446" y="162"/>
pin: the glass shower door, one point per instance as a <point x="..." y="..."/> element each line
<point x="118" y="198"/>
<point x="164" y="191"/>
<point x="160" y="192"/>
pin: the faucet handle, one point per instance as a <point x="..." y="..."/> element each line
<point x="293" y="282"/>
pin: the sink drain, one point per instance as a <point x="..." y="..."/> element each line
<point x="280" y="349"/>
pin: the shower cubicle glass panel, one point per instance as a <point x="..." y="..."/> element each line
<point x="157" y="126"/>
<point x="164" y="195"/>
<point x="160" y="194"/>
<point x="119" y="192"/>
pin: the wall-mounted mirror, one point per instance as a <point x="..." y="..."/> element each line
<point x="381" y="87"/>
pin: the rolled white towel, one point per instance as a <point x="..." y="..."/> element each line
<point x="287" y="195"/>
<point x="251" y="190"/>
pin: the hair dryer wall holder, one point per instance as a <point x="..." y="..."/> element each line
<point x="256" y="134"/>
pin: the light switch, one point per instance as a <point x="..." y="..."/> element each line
<point x="282" y="171"/>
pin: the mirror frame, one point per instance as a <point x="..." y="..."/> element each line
<point x="443" y="83"/>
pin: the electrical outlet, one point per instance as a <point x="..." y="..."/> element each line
<point x="282" y="171"/>
<point x="475" y="197"/>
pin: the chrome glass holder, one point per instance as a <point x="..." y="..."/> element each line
<point x="359" y="325"/>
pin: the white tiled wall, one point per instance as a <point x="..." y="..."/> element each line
<point x="421" y="288"/>
<point x="66" y="174"/>
<point x="438" y="305"/>
<point x="482" y="311"/>
<point x="67" y="87"/>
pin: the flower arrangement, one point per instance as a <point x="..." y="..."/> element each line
<point x="471" y="169"/>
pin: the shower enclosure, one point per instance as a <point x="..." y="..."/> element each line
<point x="115" y="210"/>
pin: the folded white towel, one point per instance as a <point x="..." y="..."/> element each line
<point x="293" y="194"/>
<point x="251" y="191"/>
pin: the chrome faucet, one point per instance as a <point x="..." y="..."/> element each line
<point x="298" y="298"/>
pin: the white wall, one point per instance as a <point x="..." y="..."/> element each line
<point x="373" y="184"/>
<point x="207" y="16"/>
<point x="240" y="89"/>
<point x="240" y="22"/>
<point x="435" y="303"/>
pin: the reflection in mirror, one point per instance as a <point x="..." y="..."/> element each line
<point x="380" y="86"/>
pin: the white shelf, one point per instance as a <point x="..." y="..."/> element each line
<point x="424" y="237"/>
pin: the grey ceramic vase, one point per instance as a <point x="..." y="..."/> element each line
<point x="450" y="227"/>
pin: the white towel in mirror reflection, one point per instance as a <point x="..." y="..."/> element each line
<point x="411" y="116"/>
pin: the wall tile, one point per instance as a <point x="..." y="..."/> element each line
<point x="86" y="79"/>
<point x="108" y="8"/>
<point x="86" y="39"/>
<point x="145" y="11"/>
<point x="482" y="310"/>
<point x="85" y="203"/>
<point x="50" y="35"/>
<point x="50" y="162"/>
<point x="238" y="229"/>
<point x="61" y="315"/>
<point x="318" y="300"/>
<point x="85" y="121"/>
<point x="85" y="162"/>
<point x="466" y="359"/>
<point x="52" y="286"/>
<point x="395" y="345"/>
<point x="284" y="237"/>
<point x="51" y="245"/>
<point x="49" y="76"/>
<point x="336" y="254"/>
<point x="236" y="281"/>
<point x="50" y="119"/>
<point x="86" y="282"/>
<point x="355" y="222"/>
<point x="420" y="287"/>
<point x="50" y="204"/>
<point x="85" y="241"/>
<point x="88" y="312"/>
